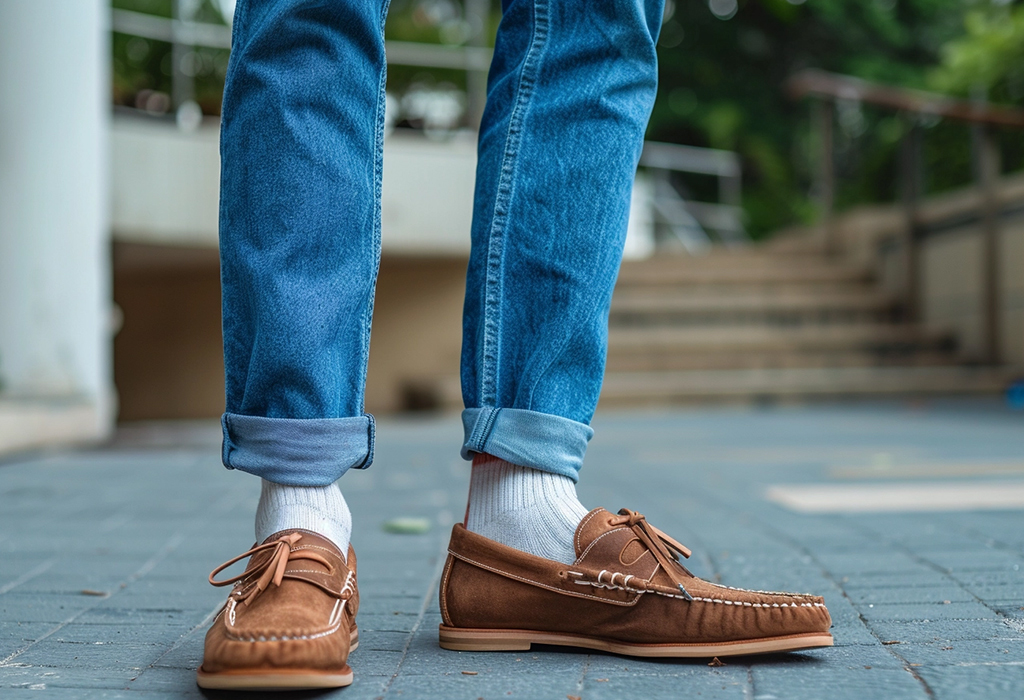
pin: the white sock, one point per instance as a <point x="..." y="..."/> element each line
<point x="531" y="510"/>
<point x="321" y="509"/>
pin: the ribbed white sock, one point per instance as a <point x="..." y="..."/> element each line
<point x="321" y="509"/>
<point x="531" y="510"/>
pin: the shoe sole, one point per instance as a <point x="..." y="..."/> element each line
<point x="294" y="679"/>
<point x="462" y="639"/>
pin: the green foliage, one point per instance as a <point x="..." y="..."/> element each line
<point x="722" y="84"/>
<point x="142" y="67"/>
<point x="989" y="58"/>
<point x="722" y="87"/>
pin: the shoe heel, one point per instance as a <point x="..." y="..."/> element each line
<point x="457" y="639"/>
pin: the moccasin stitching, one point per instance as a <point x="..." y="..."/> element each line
<point x="748" y="590"/>
<point x="444" y="589"/>
<point x="596" y="540"/>
<point x="579" y="528"/>
<point x="542" y="585"/>
<point x="289" y="637"/>
<point x="612" y="586"/>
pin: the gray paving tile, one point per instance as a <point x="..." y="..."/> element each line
<point x="179" y="682"/>
<point x="145" y="522"/>
<point x="901" y="594"/>
<point x="926" y="611"/>
<point x="944" y="630"/>
<point x="940" y="653"/>
<point x="693" y="681"/>
<point x="989" y="681"/>
<point x="816" y="682"/>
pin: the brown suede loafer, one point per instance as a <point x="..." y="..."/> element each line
<point x="289" y="621"/>
<point x="626" y="593"/>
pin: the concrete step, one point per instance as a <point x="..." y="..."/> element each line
<point x="653" y="361"/>
<point x="862" y="337"/>
<point x="743" y="266"/>
<point x="646" y="305"/>
<point x="631" y="388"/>
<point x="693" y="275"/>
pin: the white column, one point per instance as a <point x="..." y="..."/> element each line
<point x="55" y="297"/>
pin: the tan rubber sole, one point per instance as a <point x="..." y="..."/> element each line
<point x="278" y="679"/>
<point x="459" y="639"/>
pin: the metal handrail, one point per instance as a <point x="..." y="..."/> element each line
<point x="690" y="221"/>
<point x="218" y="36"/>
<point x="687" y="220"/>
<point x="828" y="89"/>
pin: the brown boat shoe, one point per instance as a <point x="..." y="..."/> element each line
<point x="626" y="593"/>
<point x="289" y="622"/>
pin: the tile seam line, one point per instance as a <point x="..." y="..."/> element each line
<point x="181" y="640"/>
<point x="583" y="675"/>
<point x="434" y="579"/>
<point x="828" y="574"/>
<point x="172" y="543"/>
<point x="940" y="570"/>
<point x="28" y="575"/>
<point x="783" y="537"/>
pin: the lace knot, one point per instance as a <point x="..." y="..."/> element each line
<point x="272" y="570"/>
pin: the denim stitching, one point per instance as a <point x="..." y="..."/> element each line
<point x="506" y="182"/>
<point x="370" y="439"/>
<point x="378" y="162"/>
<point x="226" y="446"/>
<point x="378" y="176"/>
<point x="482" y="428"/>
<point x="492" y="416"/>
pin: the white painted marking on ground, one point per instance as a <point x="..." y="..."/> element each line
<point x="899" y="498"/>
<point x="27" y="576"/>
<point x="883" y="469"/>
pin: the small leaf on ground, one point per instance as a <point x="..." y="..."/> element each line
<point x="407" y="526"/>
<point x="716" y="662"/>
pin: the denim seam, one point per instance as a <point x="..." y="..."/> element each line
<point x="378" y="176"/>
<point x="481" y="428"/>
<point x="370" y="439"/>
<point x="489" y="421"/>
<point x="227" y="447"/>
<point x="506" y="183"/>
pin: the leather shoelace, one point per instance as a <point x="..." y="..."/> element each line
<point x="664" y="548"/>
<point x="270" y="571"/>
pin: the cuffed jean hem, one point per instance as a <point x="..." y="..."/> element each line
<point x="297" y="452"/>
<point x="527" y="438"/>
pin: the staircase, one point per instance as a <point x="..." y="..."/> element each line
<point x="771" y="323"/>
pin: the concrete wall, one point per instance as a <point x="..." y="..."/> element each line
<point x="55" y="309"/>
<point x="165" y="200"/>
<point x="168" y="357"/>
<point x="951" y="287"/>
<point x="950" y="261"/>
<point x="166" y="186"/>
<point x="168" y="361"/>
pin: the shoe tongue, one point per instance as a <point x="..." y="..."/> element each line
<point x="594" y="524"/>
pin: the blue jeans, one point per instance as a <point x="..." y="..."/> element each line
<point x="569" y="94"/>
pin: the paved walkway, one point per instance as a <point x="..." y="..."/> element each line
<point x="104" y="555"/>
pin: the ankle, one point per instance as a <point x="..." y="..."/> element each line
<point x="528" y="509"/>
<point x="319" y="509"/>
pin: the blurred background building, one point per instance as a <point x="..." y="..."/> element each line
<point x="830" y="204"/>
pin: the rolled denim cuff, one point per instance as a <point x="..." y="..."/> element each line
<point x="297" y="452"/>
<point x="527" y="438"/>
